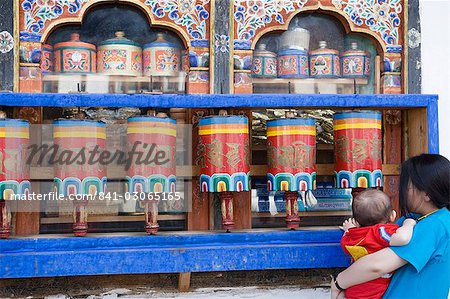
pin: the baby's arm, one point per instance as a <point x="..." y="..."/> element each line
<point x="403" y="234"/>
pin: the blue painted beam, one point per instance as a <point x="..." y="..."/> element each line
<point x="44" y="257"/>
<point x="215" y="100"/>
<point x="433" y="127"/>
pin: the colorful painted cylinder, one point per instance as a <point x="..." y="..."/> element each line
<point x="324" y="63"/>
<point x="119" y="56"/>
<point x="161" y="58"/>
<point x="80" y="137"/>
<point x="155" y="138"/>
<point x="358" y="144"/>
<point x="223" y="154"/>
<point x="291" y="151"/>
<point x="47" y="59"/>
<point x="293" y="63"/>
<point x="264" y="63"/>
<point x="15" y="174"/>
<point x="75" y="56"/>
<point x="355" y="63"/>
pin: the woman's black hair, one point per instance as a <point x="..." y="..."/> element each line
<point x="429" y="173"/>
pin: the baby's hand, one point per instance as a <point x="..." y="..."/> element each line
<point x="409" y="221"/>
<point x="349" y="223"/>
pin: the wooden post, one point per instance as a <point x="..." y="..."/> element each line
<point x="5" y="220"/>
<point x="417" y="130"/>
<point x="184" y="281"/>
<point x="392" y="153"/>
<point x="221" y="49"/>
<point x="7" y="54"/>
<point x="292" y="218"/>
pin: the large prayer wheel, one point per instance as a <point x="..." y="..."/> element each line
<point x="15" y="174"/>
<point x="358" y="149"/>
<point x="291" y="149"/>
<point x="83" y="177"/>
<point x="155" y="138"/>
<point x="223" y="154"/>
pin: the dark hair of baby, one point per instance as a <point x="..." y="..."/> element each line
<point x="371" y="207"/>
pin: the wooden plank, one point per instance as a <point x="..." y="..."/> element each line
<point x="65" y="219"/>
<point x="242" y="204"/>
<point x="184" y="281"/>
<point x="181" y="252"/>
<point x="417" y="130"/>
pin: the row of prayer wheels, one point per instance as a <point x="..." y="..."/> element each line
<point x="223" y="154"/>
<point x="83" y="178"/>
<point x="117" y="56"/>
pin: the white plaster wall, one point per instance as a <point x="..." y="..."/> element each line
<point x="435" y="28"/>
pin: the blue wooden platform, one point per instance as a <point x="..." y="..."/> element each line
<point x="170" y="253"/>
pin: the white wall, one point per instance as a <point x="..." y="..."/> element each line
<point x="435" y="28"/>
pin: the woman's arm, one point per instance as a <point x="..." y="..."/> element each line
<point x="370" y="267"/>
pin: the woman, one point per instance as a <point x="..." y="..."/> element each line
<point x="422" y="268"/>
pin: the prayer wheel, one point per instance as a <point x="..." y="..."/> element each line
<point x="80" y="177"/>
<point x="223" y="155"/>
<point x="358" y="149"/>
<point x="15" y="174"/>
<point x="155" y="172"/>
<point x="291" y="149"/>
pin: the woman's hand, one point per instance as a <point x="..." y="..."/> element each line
<point x="348" y="224"/>
<point x="335" y="292"/>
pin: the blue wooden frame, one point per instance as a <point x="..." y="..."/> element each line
<point x="191" y="252"/>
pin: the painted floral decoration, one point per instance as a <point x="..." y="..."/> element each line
<point x="38" y="12"/>
<point x="221" y="43"/>
<point x="381" y="16"/>
<point x="190" y="14"/>
<point x="251" y="15"/>
<point x="6" y="42"/>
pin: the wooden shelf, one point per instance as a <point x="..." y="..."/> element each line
<point x="68" y="219"/>
<point x="305" y="214"/>
<point x="111" y="78"/>
<point x="340" y="81"/>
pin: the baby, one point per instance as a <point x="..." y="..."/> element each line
<point x="371" y="230"/>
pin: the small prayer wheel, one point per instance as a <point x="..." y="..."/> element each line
<point x="358" y="152"/>
<point x="223" y="154"/>
<point x="291" y="149"/>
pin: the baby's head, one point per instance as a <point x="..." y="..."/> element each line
<point x="372" y="207"/>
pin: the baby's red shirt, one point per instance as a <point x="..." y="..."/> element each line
<point x="360" y="241"/>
